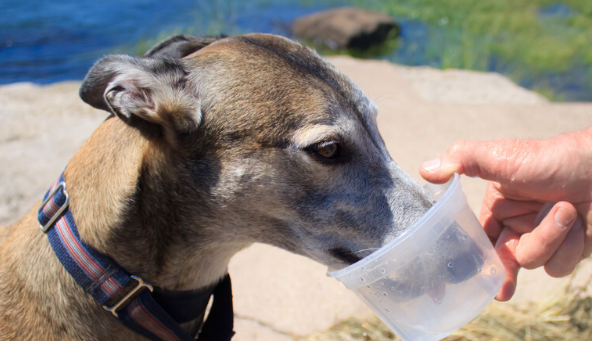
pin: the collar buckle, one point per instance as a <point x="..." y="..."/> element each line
<point x="135" y="292"/>
<point x="60" y="210"/>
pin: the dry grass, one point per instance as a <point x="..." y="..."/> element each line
<point x="566" y="315"/>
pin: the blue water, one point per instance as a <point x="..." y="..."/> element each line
<point x="559" y="10"/>
<point x="50" y="41"/>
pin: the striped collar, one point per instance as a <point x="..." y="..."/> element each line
<point x="152" y="312"/>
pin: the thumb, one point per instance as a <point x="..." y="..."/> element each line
<point x="491" y="160"/>
<point x="452" y="161"/>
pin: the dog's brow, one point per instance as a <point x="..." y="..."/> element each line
<point x="306" y="136"/>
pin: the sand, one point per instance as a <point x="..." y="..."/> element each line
<point x="278" y="295"/>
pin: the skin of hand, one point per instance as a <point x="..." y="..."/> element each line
<point x="537" y="205"/>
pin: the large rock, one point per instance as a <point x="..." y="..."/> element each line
<point x="346" y="27"/>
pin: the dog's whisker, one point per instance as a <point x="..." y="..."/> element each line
<point x="364" y="250"/>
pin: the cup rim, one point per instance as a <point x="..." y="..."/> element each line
<point x="451" y="188"/>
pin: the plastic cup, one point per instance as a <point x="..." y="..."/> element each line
<point x="433" y="278"/>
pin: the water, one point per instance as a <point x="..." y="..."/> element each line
<point x="50" y="41"/>
<point x="561" y="10"/>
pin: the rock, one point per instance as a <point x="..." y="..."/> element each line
<point x="346" y="27"/>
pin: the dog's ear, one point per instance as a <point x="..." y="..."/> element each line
<point x="179" y="46"/>
<point x="153" y="89"/>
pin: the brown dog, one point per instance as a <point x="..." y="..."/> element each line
<point x="244" y="139"/>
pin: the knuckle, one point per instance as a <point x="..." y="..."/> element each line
<point x="457" y="149"/>
<point x="528" y="257"/>
<point x="461" y="154"/>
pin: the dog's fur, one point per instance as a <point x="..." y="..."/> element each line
<point x="246" y="139"/>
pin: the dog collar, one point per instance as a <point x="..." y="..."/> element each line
<point x="152" y="312"/>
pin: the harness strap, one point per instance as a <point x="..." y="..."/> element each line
<point x="157" y="315"/>
<point x="220" y="324"/>
<point x="184" y="306"/>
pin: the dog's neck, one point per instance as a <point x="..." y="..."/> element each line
<point x="130" y="202"/>
<point x="150" y="235"/>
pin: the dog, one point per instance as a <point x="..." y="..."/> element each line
<point x="212" y="144"/>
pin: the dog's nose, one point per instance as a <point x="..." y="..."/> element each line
<point x="345" y="255"/>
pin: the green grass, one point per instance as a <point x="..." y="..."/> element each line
<point x="220" y="15"/>
<point x="528" y="47"/>
<point x="550" y="54"/>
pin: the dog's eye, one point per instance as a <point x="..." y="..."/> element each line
<point x="328" y="150"/>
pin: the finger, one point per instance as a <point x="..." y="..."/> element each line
<point x="521" y="224"/>
<point x="537" y="247"/>
<point x="491" y="160"/>
<point x="506" y="249"/>
<point x="497" y="209"/>
<point x="569" y="253"/>
<point x="504" y="208"/>
<point x="452" y="161"/>
<point x="491" y="224"/>
<point x="543" y="212"/>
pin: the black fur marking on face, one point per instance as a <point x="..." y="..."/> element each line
<point x="344" y="255"/>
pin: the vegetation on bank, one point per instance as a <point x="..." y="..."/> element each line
<point x="545" y="45"/>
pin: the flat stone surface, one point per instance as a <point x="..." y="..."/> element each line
<point x="278" y="295"/>
<point x="466" y="86"/>
<point x="290" y="292"/>
<point x="42" y="127"/>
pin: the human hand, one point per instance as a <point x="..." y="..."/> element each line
<point x="537" y="208"/>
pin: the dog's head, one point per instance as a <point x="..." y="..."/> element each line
<point x="280" y="146"/>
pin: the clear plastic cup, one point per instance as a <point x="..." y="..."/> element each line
<point x="436" y="276"/>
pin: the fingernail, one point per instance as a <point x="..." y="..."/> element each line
<point x="563" y="217"/>
<point x="431" y="166"/>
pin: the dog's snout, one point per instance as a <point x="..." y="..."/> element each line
<point x="465" y="265"/>
<point x="404" y="291"/>
<point x="345" y="255"/>
<point x="461" y="258"/>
